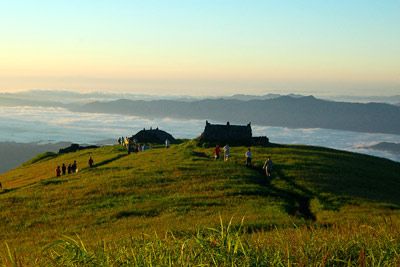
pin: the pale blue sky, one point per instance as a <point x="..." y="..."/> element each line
<point x="201" y="47"/>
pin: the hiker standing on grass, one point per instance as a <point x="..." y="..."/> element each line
<point x="125" y="142"/>
<point x="69" y="169"/>
<point x="130" y="146"/>
<point x="64" y="169"/>
<point x="58" y="171"/>
<point x="91" y="161"/>
<point x="74" y="167"/>
<point x="268" y="167"/>
<point x="248" y="156"/>
<point x="227" y="152"/>
<point x="217" y="151"/>
<point x="167" y="143"/>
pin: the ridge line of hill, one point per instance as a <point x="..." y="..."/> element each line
<point x="285" y="111"/>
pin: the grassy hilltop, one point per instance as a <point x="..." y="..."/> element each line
<point x="322" y="207"/>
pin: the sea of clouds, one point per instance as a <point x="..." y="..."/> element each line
<point x="48" y="125"/>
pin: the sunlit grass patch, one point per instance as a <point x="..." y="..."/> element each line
<point x="314" y="195"/>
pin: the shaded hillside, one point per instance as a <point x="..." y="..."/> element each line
<point x="13" y="154"/>
<point x="295" y="112"/>
<point x="182" y="188"/>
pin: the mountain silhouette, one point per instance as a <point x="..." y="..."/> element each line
<point x="284" y="111"/>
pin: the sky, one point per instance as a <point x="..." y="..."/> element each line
<point x="201" y="47"/>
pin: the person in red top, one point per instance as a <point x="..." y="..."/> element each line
<point x="217" y="151"/>
<point x="58" y="171"/>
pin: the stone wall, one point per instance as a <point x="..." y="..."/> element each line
<point x="260" y="141"/>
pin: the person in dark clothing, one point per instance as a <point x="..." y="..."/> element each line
<point x="74" y="167"/>
<point x="64" y="169"/>
<point x="130" y="146"/>
<point x="69" y="169"/>
<point x="91" y="161"/>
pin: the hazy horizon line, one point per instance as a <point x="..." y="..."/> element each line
<point x="139" y="93"/>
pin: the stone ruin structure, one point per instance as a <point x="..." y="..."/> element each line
<point x="153" y="136"/>
<point x="234" y="135"/>
<point x="74" y="148"/>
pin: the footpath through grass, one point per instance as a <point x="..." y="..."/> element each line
<point x="154" y="208"/>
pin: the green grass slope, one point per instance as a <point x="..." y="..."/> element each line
<point x="182" y="189"/>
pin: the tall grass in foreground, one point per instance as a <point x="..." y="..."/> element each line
<point x="230" y="245"/>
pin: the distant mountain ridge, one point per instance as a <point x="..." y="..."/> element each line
<point x="244" y="97"/>
<point x="295" y="111"/>
<point x="283" y="111"/>
<point x="393" y="99"/>
<point x="386" y="146"/>
<point x="52" y="97"/>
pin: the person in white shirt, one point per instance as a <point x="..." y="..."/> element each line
<point x="268" y="167"/>
<point x="167" y="143"/>
<point x="227" y="152"/>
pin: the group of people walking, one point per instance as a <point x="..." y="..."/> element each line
<point x="226" y="149"/>
<point x="132" y="145"/>
<point x="268" y="165"/>
<point x="71" y="168"/>
<point x="63" y="170"/>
